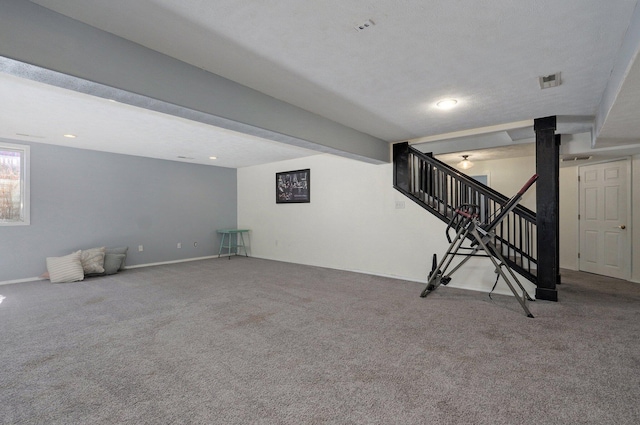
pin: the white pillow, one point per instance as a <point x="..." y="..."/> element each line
<point x="93" y="260"/>
<point x="65" y="269"/>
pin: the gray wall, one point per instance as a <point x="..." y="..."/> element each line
<point x="82" y="199"/>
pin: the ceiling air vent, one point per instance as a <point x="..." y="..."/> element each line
<point x="549" y="81"/>
<point x="575" y="158"/>
<point x="366" y="24"/>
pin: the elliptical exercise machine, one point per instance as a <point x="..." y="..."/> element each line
<point x="465" y="221"/>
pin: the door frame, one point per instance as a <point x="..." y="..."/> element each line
<point x="629" y="225"/>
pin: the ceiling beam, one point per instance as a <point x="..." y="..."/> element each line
<point x="473" y="132"/>
<point x="37" y="36"/>
<point x="622" y="68"/>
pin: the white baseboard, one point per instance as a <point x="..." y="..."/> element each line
<point x="184" y="260"/>
<point x="28" y="279"/>
<point x="32" y="279"/>
<point x="498" y="291"/>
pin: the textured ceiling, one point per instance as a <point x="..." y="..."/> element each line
<point x="385" y="80"/>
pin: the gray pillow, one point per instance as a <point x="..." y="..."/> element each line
<point x="92" y="260"/>
<point x="112" y="263"/>
<point x="119" y="250"/>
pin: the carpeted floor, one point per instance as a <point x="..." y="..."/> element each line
<point x="250" y="341"/>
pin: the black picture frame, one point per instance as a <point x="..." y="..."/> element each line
<point x="293" y="187"/>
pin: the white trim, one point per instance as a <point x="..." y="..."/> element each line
<point x="136" y="266"/>
<point x="25" y="211"/>
<point x="629" y="260"/>
<point x="497" y="291"/>
<point x="28" y="279"/>
<point x="185" y="260"/>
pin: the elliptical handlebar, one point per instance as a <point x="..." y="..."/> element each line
<point x="468" y="212"/>
<point x="510" y="205"/>
<point x="528" y="184"/>
<point x="465" y="221"/>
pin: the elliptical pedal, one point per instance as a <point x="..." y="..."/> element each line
<point x="433" y="280"/>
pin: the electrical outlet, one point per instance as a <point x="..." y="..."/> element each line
<point x="140" y="248"/>
<point x="399" y="205"/>
<point x="179" y="245"/>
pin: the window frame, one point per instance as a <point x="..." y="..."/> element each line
<point x="25" y="184"/>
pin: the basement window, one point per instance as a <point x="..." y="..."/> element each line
<point x="14" y="184"/>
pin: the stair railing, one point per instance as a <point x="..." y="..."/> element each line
<point x="441" y="189"/>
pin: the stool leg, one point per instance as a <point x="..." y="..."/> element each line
<point x="243" y="247"/>
<point x="221" y="245"/>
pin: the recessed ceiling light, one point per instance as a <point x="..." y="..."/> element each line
<point x="213" y="157"/>
<point x="446" y="103"/>
<point x="70" y="136"/>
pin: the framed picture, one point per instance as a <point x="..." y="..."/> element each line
<point x="293" y="186"/>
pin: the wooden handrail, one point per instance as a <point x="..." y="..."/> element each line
<point x="440" y="189"/>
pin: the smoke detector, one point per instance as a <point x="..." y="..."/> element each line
<point x="549" y="81"/>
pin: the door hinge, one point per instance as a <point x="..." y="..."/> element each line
<point x="578" y="255"/>
<point x="578" y="178"/>
<point x="578" y="216"/>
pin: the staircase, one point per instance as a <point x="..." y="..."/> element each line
<point x="440" y="189"/>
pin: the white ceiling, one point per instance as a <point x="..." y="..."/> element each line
<point x="43" y="113"/>
<point x="384" y="80"/>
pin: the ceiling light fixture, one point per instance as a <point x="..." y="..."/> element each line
<point x="465" y="164"/>
<point x="213" y="157"/>
<point x="446" y="103"/>
<point x="70" y="136"/>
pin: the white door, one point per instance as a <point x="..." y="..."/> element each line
<point x="604" y="219"/>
